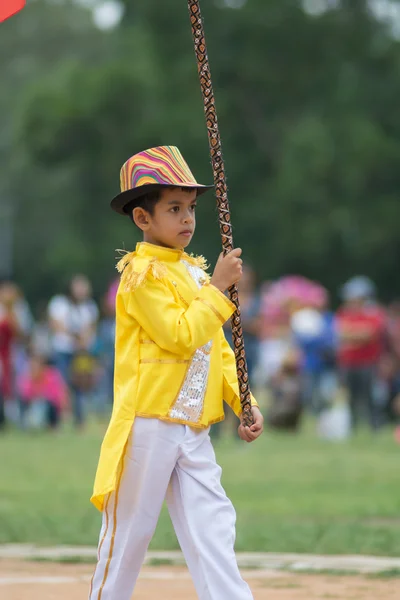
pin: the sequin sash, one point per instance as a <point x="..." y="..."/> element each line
<point x="189" y="404"/>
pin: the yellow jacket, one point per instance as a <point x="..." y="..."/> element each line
<point x="172" y="361"/>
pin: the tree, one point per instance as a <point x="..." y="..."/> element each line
<point x="310" y="126"/>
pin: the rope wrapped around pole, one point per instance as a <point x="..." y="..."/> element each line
<point x="222" y="198"/>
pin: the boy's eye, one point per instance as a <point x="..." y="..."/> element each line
<point x="176" y="209"/>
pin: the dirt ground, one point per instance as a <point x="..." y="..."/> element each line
<point x="20" y="580"/>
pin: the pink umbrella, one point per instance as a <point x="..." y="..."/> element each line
<point x="297" y="290"/>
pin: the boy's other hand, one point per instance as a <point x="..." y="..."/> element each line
<point x="249" y="434"/>
<point x="228" y="270"/>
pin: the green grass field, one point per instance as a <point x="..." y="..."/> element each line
<point x="292" y="493"/>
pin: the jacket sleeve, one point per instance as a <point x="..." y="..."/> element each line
<point x="231" y="384"/>
<point x="175" y="328"/>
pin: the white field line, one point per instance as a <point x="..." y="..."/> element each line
<point x="246" y="560"/>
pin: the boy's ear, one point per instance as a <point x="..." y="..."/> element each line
<point x="140" y="218"/>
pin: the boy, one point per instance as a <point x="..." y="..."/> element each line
<point x="173" y="368"/>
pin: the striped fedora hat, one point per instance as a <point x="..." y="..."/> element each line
<point x="150" y="169"/>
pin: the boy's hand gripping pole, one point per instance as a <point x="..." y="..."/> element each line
<point x="222" y="198"/>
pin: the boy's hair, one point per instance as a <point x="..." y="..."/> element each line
<point x="149" y="201"/>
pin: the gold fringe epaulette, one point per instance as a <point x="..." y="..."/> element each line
<point x="201" y="263"/>
<point x="132" y="279"/>
<point x="197" y="261"/>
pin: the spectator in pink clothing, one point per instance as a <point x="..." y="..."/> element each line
<point x="43" y="394"/>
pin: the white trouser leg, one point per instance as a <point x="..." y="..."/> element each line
<point x="204" y="521"/>
<point x="132" y="511"/>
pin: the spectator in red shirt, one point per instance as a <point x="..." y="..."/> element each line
<point x="361" y="332"/>
<point x="8" y="332"/>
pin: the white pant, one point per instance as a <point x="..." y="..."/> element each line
<point x="177" y="462"/>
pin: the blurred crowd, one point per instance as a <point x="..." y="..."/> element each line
<point x="59" y="363"/>
<point x="341" y="365"/>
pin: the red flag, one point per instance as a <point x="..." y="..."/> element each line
<point x="8" y="8"/>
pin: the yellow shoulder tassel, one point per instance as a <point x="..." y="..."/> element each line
<point x="132" y="279"/>
<point x="127" y="257"/>
<point x="197" y="261"/>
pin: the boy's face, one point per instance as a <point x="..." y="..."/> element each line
<point x="173" y="221"/>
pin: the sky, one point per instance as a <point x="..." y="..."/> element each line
<point x="108" y="13"/>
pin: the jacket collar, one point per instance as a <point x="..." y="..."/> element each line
<point x="146" y="250"/>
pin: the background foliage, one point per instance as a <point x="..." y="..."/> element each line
<point x="308" y="110"/>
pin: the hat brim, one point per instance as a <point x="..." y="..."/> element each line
<point x="124" y="198"/>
